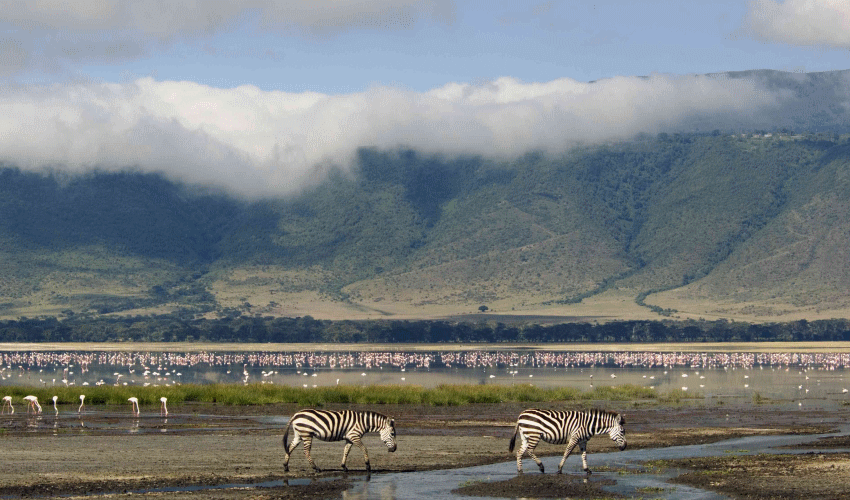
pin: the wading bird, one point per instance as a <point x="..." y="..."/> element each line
<point x="135" y="404"/>
<point x="163" y="409"/>
<point x="54" y="404"/>
<point x="82" y="402"/>
<point x="7" y="401"/>
<point x="33" y="403"/>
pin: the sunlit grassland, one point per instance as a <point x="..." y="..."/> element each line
<point x="261" y="394"/>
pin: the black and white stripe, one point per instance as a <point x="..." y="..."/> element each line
<point x="565" y="427"/>
<point x="337" y="426"/>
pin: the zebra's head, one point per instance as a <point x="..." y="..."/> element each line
<point x="387" y="432"/>
<point x="618" y="432"/>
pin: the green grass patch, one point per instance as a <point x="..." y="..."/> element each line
<point x="677" y="395"/>
<point x="259" y="394"/>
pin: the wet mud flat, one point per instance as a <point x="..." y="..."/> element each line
<point x="199" y="447"/>
<point x="811" y="475"/>
<point x="819" y="474"/>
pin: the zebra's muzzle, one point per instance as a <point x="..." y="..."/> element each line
<point x="391" y="448"/>
<point x="623" y="446"/>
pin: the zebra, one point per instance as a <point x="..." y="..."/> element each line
<point x="337" y="426"/>
<point x="565" y="427"/>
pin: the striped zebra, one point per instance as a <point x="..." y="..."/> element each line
<point x="565" y="427"/>
<point x="337" y="426"/>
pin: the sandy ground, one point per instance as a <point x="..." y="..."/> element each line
<point x="123" y="457"/>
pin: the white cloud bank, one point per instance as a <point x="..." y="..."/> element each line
<point x="801" y="22"/>
<point x="260" y="143"/>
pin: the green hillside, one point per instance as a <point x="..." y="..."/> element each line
<point x="716" y="223"/>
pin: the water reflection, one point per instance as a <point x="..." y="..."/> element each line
<point x="362" y="491"/>
<point x="33" y="422"/>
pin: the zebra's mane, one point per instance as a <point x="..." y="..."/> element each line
<point x="608" y="413"/>
<point x="379" y="417"/>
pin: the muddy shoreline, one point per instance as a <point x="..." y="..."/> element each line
<point x="107" y="451"/>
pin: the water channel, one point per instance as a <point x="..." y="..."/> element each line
<point x="439" y="484"/>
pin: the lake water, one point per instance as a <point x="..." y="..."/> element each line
<point x="781" y="375"/>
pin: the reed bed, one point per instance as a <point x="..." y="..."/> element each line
<point x="261" y="394"/>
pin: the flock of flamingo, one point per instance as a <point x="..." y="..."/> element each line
<point x="165" y="366"/>
<point x="35" y="408"/>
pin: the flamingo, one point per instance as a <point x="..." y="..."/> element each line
<point x="163" y="410"/>
<point x="135" y="404"/>
<point x="82" y="402"/>
<point x="7" y="401"/>
<point x="54" y="404"/>
<point x="36" y="408"/>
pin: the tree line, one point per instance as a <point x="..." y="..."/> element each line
<point x="236" y="329"/>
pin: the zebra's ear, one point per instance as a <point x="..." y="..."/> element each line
<point x="622" y="419"/>
<point x="392" y="422"/>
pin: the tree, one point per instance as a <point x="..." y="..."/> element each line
<point x="483" y="308"/>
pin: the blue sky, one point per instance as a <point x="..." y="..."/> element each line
<point x="422" y="45"/>
<point x="260" y="96"/>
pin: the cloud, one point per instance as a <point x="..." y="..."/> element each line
<point x="53" y="36"/>
<point x="261" y="143"/>
<point x="334" y="15"/>
<point x="801" y="22"/>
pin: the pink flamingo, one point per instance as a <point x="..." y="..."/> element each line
<point x="36" y="408"/>
<point x="7" y="401"/>
<point x="82" y="402"/>
<point x="135" y="404"/>
<point x="163" y="410"/>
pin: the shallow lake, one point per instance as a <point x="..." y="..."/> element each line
<point x="776" y="375"/>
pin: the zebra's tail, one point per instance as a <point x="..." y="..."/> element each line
<point x="286" y="436"/>
<point x="513" y="438"/>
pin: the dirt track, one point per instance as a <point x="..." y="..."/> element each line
<point x="209" y="445"/>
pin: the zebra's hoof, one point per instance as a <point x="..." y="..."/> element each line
<point x="285" y="468"/>
<point x="588" y="471"/>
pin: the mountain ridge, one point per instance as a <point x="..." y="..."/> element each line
<point x="748" y="225"/>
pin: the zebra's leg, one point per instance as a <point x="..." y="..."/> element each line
<point x="521" y="451"/>
<point x="570" y="446"/>
<point x="308" y="443"/>
<point x="356" y="440"/>
<point x="583" y="445"/>
<point x="345" y="454"/>
<point x="288" y="452"/>
<point x="532" y="443"/>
